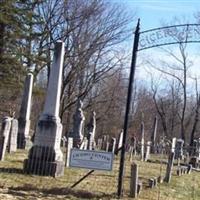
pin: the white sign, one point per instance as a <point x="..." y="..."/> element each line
<point x="97" y="160"/>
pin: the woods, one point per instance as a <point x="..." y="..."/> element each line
<point x="96" y="67"/>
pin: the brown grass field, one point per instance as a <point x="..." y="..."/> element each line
<point x="99" y="185"/>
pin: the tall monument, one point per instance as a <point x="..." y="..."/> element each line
<point x="45" y="157"/>
<point x="23" y="137"/>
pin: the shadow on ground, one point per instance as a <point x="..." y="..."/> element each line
<point x="29" y="190"/>
<point x="11" y="170"/>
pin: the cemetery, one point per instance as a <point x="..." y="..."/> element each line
<point x="81" y="135"/>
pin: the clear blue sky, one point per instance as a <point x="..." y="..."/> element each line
<point x="153" y="12"/>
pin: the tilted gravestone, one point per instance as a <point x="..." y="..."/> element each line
<point x="23" y="138"/>
<point x="169" y="167"/>
<point x="119" y="142"/>
<point x="45" y="157"/>
<point x="84" y="144"/>
<point x="78" y="125"/>
<point x="12" y="142"/>
<point x="4" y="135"/>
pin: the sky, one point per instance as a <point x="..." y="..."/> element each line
<point x="153" y="12"/>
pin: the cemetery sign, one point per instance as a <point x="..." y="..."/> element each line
<point x="96" y="160"/>
<point x="183" y="33"/>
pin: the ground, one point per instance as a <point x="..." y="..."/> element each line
<point x="14" y="184"/>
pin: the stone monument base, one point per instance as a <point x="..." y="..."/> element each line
<point x="42" y="162"/>
<point x="24" y="142"/>
<point x="23" y="138"/>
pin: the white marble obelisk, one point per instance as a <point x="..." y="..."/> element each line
<point x="45" y="157"/>
<point x="23" y="137"/>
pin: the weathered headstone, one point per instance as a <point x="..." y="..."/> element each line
<point x="104" y="142"/>
<point x="113" y="145"/>
<point x="147" y="153"/>
<point x="151" y="183"/>
<point x="169" y="167"/>
<point x="78" y="125"/>
<point x="142" y="142"/>
<point x="194" y="161"/>
<point x="4" y="135"/>
<point x="89" y="141"/>
<point x="69" y="147"/>
<point x="119" y="142"/>
<point x="12" y="142"/>
<point x="91" y="131"/>
<point x="99" y="143"/>
<point x="107" y="146"/>
<point x="153" y="136"/>
<point x="160" y="179"/>
<point x="189" y="170"/>
<point x="196" y="148"/>
<point x="84" y="144"/>
<point x="63" y="141"/>
<point x="23" y="138"/>
<point x="179" y="149"/>
<point x="134" y="180"/>
<point x="45" y="157"/>
<point x="132" y="148"/>
<point x="173" y="145"/>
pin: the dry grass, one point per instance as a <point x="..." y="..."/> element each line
<point x="100" y="185"/>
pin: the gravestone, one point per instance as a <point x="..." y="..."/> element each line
<point x="45" y="157"/>
<point x="4" y="135"/>
<point x="142" y="142"/>
<point x="84" y="144"/>
<point x="78" y="125"/>
<point x="99" y="143"/>
<point x="12" y="142"/>
<point x="173" y="145"/>
<point x="169" y="167"/>
<point x="112" y="145"/>
<point x="104" y="142"/>
<point x="153" y="136"/>
<point x="119" y="142"/>
<point x="196" y="148"/>
<point x="179" y="149"/>
<point x="91" y="127"/>
<point x="107" y="146"/>
<point x="69" y="147"/>
<point x="23" y="138"/>
<point x="63" y="141"/>
<point x="134" y="180"/>
<point x="147" y="153"/>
